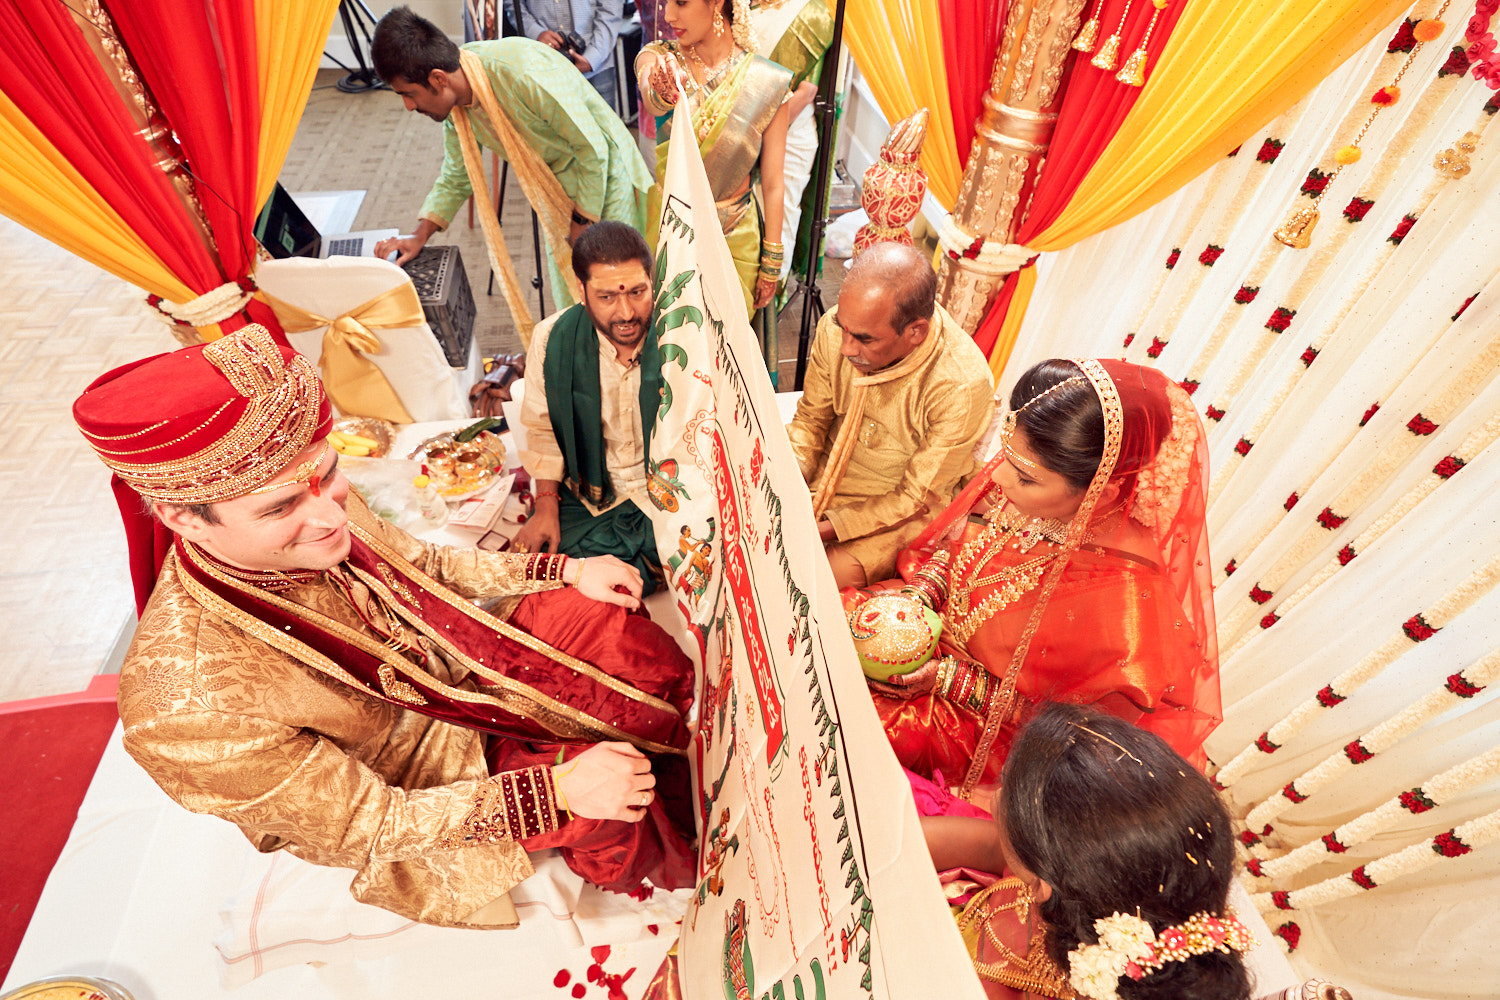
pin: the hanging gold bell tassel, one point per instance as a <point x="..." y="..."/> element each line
<point x="1087" y="36"/>
<point x="1133" y="73"/>
<point x="1296" y="232"/>
<point x="1108" y="54"/>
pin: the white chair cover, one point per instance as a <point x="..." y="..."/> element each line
<point x="410" y="357"/>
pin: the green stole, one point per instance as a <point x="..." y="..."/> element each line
<point x="575" y="404"/>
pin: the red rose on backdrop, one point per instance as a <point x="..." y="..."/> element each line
<point x="1328" y="697"/>
<point x="1243" y="446"/>
<point x="1402" y="228"/>
<point x="1449" y="846"/>
<point x="1214" y="413"/>
<point x="1246" y="294"/>
<point x="1417" y="629"/>
<point x="1309" y="356"/>
<point x="1403" y="40"/>
<point x="1374" y="409"/>
<point x="1291" y="501"/>
<point x="1361" y="879"/>
<point x="1470" y="300"/>
<point x="1210" y="254"/>
<point x="1280" y="319"/>
<point x="1269" y="620"/>
<point x="1460" y="686"/>
<point x="1269" y="150"/>
<point x="1448" y="466"/>
<point x="1346" y="555"/>
<point x="1258" y="595"/>
<point x="1264" y="745"/>
<point x="1357" y="209"/>
<point x="1415" y="801"/>
<point x="1332" y="843"/>
<point x="1328" y="519"/>
<point x="1290" y="933"/>
<point x="1128" y="338"/>
<point x="1282" y="899"/>
<point x="1356" y="752"/>
<point x="1420" y="425"/>
<point x="1315" y="183"/>
<point x="1172" y="257"/>
<point x="1457" y="64"/>
<point x="1154" y="351"/>
<point x="1188" y="385"/>
<point x="1291" y="793"/>
<point x="1230" y="567"/>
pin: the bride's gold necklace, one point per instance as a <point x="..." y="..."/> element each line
<point x="712" y="75"/>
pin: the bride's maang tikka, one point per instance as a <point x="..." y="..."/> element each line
<point x="1008" y="424"/>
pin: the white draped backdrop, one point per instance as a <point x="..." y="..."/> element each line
<point x="1342" y="525"/>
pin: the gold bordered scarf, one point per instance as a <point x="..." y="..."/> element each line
<point x="848" y="435"/>
<point x="553" y="206"/>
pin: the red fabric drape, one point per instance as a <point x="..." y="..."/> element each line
<point x="971" y="36"/>
<point x="1093" y="107"/>
<point x="206" y="85"/>
<point x="50" y="71"/>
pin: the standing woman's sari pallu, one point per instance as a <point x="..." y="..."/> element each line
<point x="729" y="119"/>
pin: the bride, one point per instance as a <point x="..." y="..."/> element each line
<point x="1073" y="568"/>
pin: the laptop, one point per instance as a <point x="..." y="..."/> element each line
<point x="285" y="231"/>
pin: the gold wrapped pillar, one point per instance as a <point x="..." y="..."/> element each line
<point x="1010" y="146"/>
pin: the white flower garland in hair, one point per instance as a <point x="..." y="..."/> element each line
<point x="1129" y="947"/>
<point x="1416" y="629"/>
<point x="999" y="258"/>
<point x="1429" y="795"/>
<point x="741" y="30"/>
<point x="1459" y="687"/>
<point x="1455" y="843"/>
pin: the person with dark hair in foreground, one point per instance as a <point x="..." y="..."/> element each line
<point x="897" y="395"/>
<point x="592" y="391"/>
<point x="330" y="685"/>
<point x="1119" y="856"/>
<point x="564" y="142"/>
<point x="1074" y="567"/>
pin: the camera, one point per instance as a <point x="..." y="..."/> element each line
<point x="573" y="42"/>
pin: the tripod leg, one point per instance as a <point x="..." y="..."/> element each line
<point x="536" y="239"/>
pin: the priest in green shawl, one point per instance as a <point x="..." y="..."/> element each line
<point x="592" y="392"/>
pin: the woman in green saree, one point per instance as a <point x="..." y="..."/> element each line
<point x="739" y="122"/>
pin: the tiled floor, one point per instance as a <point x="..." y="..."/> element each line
<point x="64" y="589"/>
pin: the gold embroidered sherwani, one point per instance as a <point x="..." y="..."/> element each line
<point x="915" y="443"/>
<point x="230" y="726"/>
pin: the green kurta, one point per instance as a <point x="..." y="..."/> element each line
<point x="559" y="112"/>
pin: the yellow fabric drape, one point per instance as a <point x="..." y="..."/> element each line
<point x="1228" y="69"/>
<point x="898" y="45"/>
<point x="1005" y="341"/>
<point x="289" y="37"/>
<point x="354" y="383"/>
<point x="43" y="192"/>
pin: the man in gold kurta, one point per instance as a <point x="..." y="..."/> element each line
<point x="322" y="680"/>
<point x="896" y="398"/>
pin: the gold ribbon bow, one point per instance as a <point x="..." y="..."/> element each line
<point x="354" y="383"/>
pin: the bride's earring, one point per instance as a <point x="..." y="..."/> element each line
<point x="718" y="20"/>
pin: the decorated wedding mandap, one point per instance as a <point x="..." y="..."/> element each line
<point x="1285" y="208"/>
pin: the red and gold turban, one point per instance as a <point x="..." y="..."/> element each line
<point x="199" y="425"/>
<point x="206" y="423"/>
